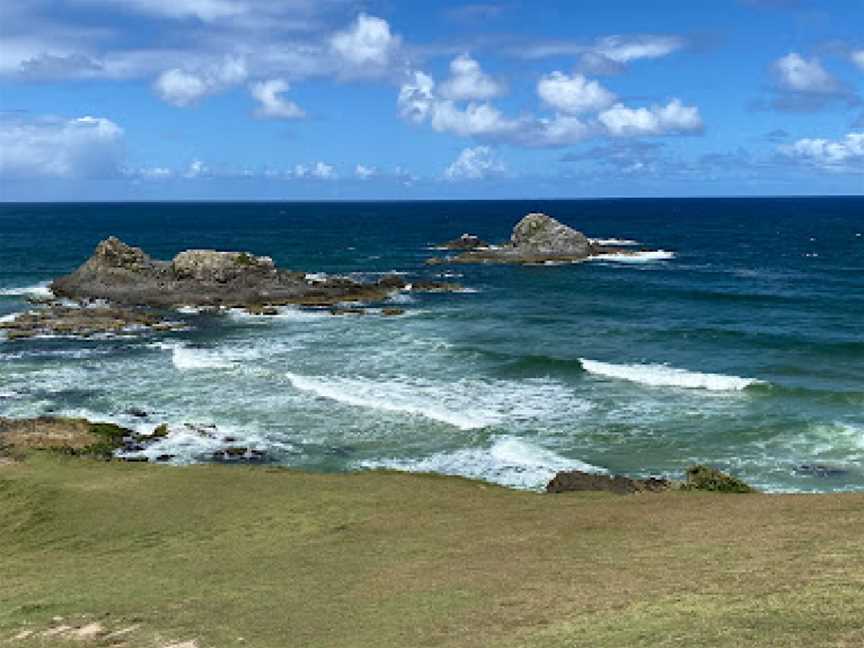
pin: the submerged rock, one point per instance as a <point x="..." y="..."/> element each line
<point x="576" y="480"/>
<point x="537" y="238"/>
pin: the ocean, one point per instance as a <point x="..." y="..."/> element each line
<point x="741" y="345"/>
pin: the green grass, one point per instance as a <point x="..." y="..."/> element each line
<point x="281" y="558"/>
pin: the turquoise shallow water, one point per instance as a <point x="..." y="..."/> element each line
<point x="743" y="349"/>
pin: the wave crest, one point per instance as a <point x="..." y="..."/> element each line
<point x="656" y="375"/>
<point x="509" y="461"/>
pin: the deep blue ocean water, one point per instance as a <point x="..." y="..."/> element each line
<point x="744" y="349"/>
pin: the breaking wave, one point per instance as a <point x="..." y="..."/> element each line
<point x="647" y="256"/>
<point x="509" y="461"/>
<point x="656" y="375"/>
<point x="37" y="290"/>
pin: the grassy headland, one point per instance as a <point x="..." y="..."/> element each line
<point x="256" y="556"/>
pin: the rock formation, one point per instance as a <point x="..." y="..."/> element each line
<point x="576" y="480"/>
<point x="126" y="275"/>
<point x="537" y="238"/>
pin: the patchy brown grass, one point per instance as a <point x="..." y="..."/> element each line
<point x="279" y="558"/>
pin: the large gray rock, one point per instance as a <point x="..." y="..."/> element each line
<point x="537" y="238"/>
<point x="543" y="235"/>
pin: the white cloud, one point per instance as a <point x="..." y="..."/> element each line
<point x="673" y="118"/>
<point x="474" y="164"/>
<point x="561" y="130"/>
<point x="205" y="10"/>
<point x="798" y="74"/>
<point x="63" y="148"/>
<point x="273" y="106"/>
<point x="197" y="169"/>
<point x="365" y="172"/>
<point x="419" y="102"/>
<point x="573" y="95"/>
<point x="844" y="154"/>
<point x="368" y="42"/>
<point x="317" y="171"/>
<point x="858" y="58"/>
<point x="468" y="81"/>
<point x="183" y="88"/>
<point x="615" y="49"/>
<point x="624" y="49"/>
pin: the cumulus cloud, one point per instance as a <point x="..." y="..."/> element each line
<point x="365" y="172"/>
<point x="573" y="94"/>
<point x="798" y="74"/>
<point x="272" y="105"/>
<point x="673" y="118"/>
<point x="802" y="85"/>
<point x="468" y="81"/>
<point x="183" y="88"/>
<point x="316" y="171"/>
<point x="83" y="147"/>
<point x="846" y="154"/>
<point x="475" y="163"/>
<point x="419" y="102"/>
<point x="366" y="45"/>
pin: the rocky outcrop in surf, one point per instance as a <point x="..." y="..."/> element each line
<point x="60" y="320"/>
<point x="537" y="238"/>
<point x="126" y="275"/>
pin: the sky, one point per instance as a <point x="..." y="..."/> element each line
<point x="408" y="99"/>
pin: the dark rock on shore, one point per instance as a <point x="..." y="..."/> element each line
<point x="575" y="480"/>
<point x="83" y="322"/>
<point x="536" y="239"/>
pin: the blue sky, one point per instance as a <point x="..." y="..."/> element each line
<point x="338" y="99"/>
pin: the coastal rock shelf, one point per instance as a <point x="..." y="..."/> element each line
<point x="122" y="274"/>
<point x="57" y="319"/>
<point x="536" y="239"/>
<point x="122" y="289"/>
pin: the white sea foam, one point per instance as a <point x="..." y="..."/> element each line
<point x="393" y="397"/>
<point x="647" y="256"/>
<point x="465" y="404"/>
<point x="614" y="241"/>
<point x="509" y="461"/>
<point x="37" y="290"/>
<point x="657" y="375"/>
<point x="9" y="318"/>
<point x="285" y="313"/>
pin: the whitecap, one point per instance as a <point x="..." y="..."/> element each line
<point x="656" y="375"/>
<point x="509" y="461"/>
<point x="395" y="397"/>
<point x="614" y="241"/>
<point x="465" y="404"/>
<point x="647" y="256"/>
<point x="38" y="290"/>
